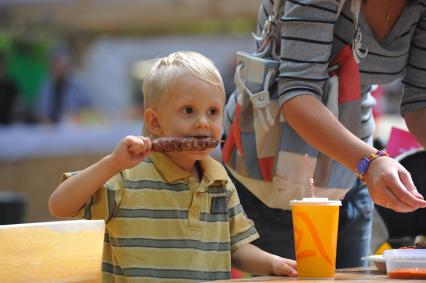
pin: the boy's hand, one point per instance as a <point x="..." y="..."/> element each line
<point x="130" y="152"/>
<point x="284" y="266"/>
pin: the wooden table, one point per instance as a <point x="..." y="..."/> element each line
<point x="349" y="275"/>
<point x="59" y="251"/>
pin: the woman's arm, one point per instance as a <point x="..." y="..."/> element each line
<point x="70" y="196"/>
<point x="306" y="43"/>
<point x="389" y="182"/>
<point x="317" y="125"/>
<point x="416" y="123"/>
<point x="413" y="102"/>
<point x="250" y="258"/>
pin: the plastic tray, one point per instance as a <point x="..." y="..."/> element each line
<point x="406" y="263"/>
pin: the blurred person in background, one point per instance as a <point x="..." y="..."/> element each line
<point x="8" y="93"/>
<point x="62" y="93"/>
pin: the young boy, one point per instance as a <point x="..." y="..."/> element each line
<point x="171" y="216"/>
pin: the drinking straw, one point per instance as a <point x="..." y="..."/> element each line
<point x="310" y="173"/>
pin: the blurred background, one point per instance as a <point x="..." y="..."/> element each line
<point x="71" y="74"/>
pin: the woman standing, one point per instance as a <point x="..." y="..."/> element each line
<point x="388" y="40"/>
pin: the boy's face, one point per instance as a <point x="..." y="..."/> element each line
<point x="193" y="107"/>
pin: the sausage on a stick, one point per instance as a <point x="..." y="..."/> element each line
<point x="169" y="144"/>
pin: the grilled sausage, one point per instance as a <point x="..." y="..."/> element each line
<point x="169" y="144"/>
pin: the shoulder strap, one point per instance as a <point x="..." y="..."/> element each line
<point x="355" y="9"/>
<point x="357" y="40"/>
<point x="339" y="9"/>
<point x="277" y="4"/>
<point x="267" y="46"/>
<point x="276" y="8"/>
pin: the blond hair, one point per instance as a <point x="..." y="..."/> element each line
<point x="167" y="70"/>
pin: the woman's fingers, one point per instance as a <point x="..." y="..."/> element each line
<point x="403" y="189"/>
<point x="383" y="196"/>
<point x="407" y="181"/>
<point x="391" y="186"/>
<point x="390" y="200"/>
<point x="406" y="201"/>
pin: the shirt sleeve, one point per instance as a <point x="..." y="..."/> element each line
<point x="306" y="41"/>
<point x="105" y="202"/>
<point x="242" y="229"/>
<point x="414" y="82"/>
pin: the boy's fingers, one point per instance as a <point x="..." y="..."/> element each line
<point x="144" y="143"/>
<point x="284" y="267"/>
<point x="138" y="145"/>
<point x="148" y="143"/>
<point x="287" y="270"/>
<point x="291" y="263"/>
<point x="132" y="149"/>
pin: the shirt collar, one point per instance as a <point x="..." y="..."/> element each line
<point x="213" y="170"/>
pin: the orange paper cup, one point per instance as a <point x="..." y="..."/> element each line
<point x="315" y="226"/>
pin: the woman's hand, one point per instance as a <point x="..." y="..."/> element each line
<point x="390" y="185"/>
<point x="130" y="152"/>
<point x="284" y="267"/>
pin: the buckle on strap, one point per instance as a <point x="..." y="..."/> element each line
<point x="266" y="31"/>
<point x="260" y="100"/>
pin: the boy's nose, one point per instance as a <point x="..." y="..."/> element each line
<point x="201" y="122"/>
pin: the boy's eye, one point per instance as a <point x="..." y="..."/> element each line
<point x="213" y="111"/>
<point x="187" y="110"/>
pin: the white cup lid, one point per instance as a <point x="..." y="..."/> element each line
<point x="316" y="201"/>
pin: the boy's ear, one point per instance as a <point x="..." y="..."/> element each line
<point x="152" y="122"/>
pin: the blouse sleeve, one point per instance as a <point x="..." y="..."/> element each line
<point x="414" y="82"/>
<point x="306" y="41"/>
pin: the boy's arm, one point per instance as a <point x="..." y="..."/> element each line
<point x="73" y="193"/>
<point x="249" y="258"/>
<point x="70" y="196"/>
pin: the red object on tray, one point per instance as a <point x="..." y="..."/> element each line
<point x="408" y="273"/>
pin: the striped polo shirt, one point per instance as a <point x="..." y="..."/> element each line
<point x="311" y="34"/>
<point x="164" y="225"/>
